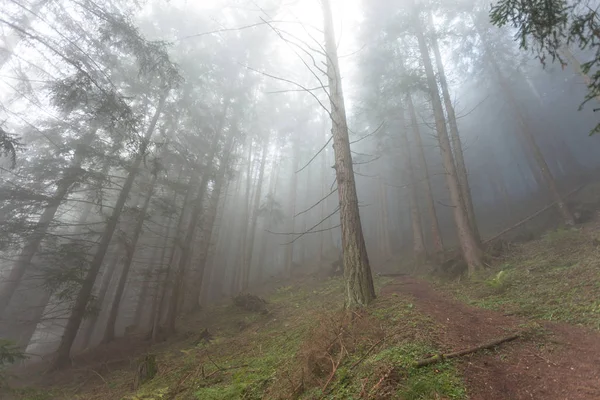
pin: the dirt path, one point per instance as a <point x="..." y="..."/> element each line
<point x="563" y="365"/>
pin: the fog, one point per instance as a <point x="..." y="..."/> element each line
<point x="161" y="156"/>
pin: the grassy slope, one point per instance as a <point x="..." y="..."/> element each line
<point x="555" y="278"/>
<point x="289" y="353"/>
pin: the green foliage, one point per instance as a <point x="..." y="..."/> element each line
<point x="500" y="282"/>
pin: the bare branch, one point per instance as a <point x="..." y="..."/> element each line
<point x="368" y="134"/>
<point x="316" y="155"/>
<point x="316" y="204"/>
<point x="288" y="81"/>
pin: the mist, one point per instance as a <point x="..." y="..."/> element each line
<point x="162" y="157"/>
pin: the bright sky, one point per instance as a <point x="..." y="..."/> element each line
<point x="346" y="14"/>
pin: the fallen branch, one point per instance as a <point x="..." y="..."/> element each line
<point x="532" y="216"/>
<point x="441" y="357"/>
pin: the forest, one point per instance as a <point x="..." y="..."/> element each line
<point x="299" y="199"/>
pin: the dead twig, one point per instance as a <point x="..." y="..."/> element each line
<point x="366" y="354"/>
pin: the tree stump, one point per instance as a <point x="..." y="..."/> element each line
<point x="146" y="371"/>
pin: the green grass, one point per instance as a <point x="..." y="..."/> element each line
<point x="556" y="278"/>
<point x="271" y="357"/>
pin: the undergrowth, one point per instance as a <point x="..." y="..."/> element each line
<point x="555" y="278"/>
<point x="306" y="347"/>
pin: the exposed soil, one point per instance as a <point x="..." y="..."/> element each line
<point x="562" y="364"/>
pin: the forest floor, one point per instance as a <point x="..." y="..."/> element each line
<point x="307" y="347"/>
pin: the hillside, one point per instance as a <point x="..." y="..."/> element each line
<point x="304" y="346"/>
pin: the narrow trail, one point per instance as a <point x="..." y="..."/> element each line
<point x="564" y="365"/>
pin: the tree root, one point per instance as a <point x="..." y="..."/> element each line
<point x="441" y="357"/>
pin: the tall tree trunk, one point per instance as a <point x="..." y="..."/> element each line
<point x="470" y="247"/>
<point x="528" y="136"/>
<point x="238" y="277"/>
<point x="415" y="215"/>
<point x="461" y="168"/>
<point x="79" y="308"/>
<point x="436" y="235"/>
<point x="289" y="250"/>
<point x="109" y="332"/>
<point x="106" y="279"/>
<point x="357" y="271"/>
<point x="384" y="227"/>
<point x="185" y="246"/>
<point x="158" y="306"/>
<point x="262" y="255"/>
<point x="209" y="223"/>
<point x="252" y="229"/>
<point x="152" y="266"/>
<point x="142" y="298"/>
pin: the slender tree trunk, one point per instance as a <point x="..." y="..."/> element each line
<point x="459" y="159"/>
<point x="289" y="250"/>
<point x="106" y="279"/>
<point x="415" y="215"/>
<point x="161" y="294"/>
<point x="252" y="231"/>
<point x="109" y="333"/>
<point x="470" y="246"/>
<point x="209" y="227"/>
<point x="185" y="250"/>
<point x="384" y="229"/>
<point x="81" y="303"/>
<point x="238" y="279"/>
<point x="357" y="271"/>
<point x="436" y="235"/>
<point x="145" y="285"/>
<point x="530" y="140"/>
<point x="262" y="255"/>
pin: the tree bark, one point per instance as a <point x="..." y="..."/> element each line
<point x="79" y="308"/>
<point x="436" y="235"/>
<point x="109" y="332"/>
<point x="461" y="168"/>
<point x="357" y="271"/>
<point x="470" y="247"/>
